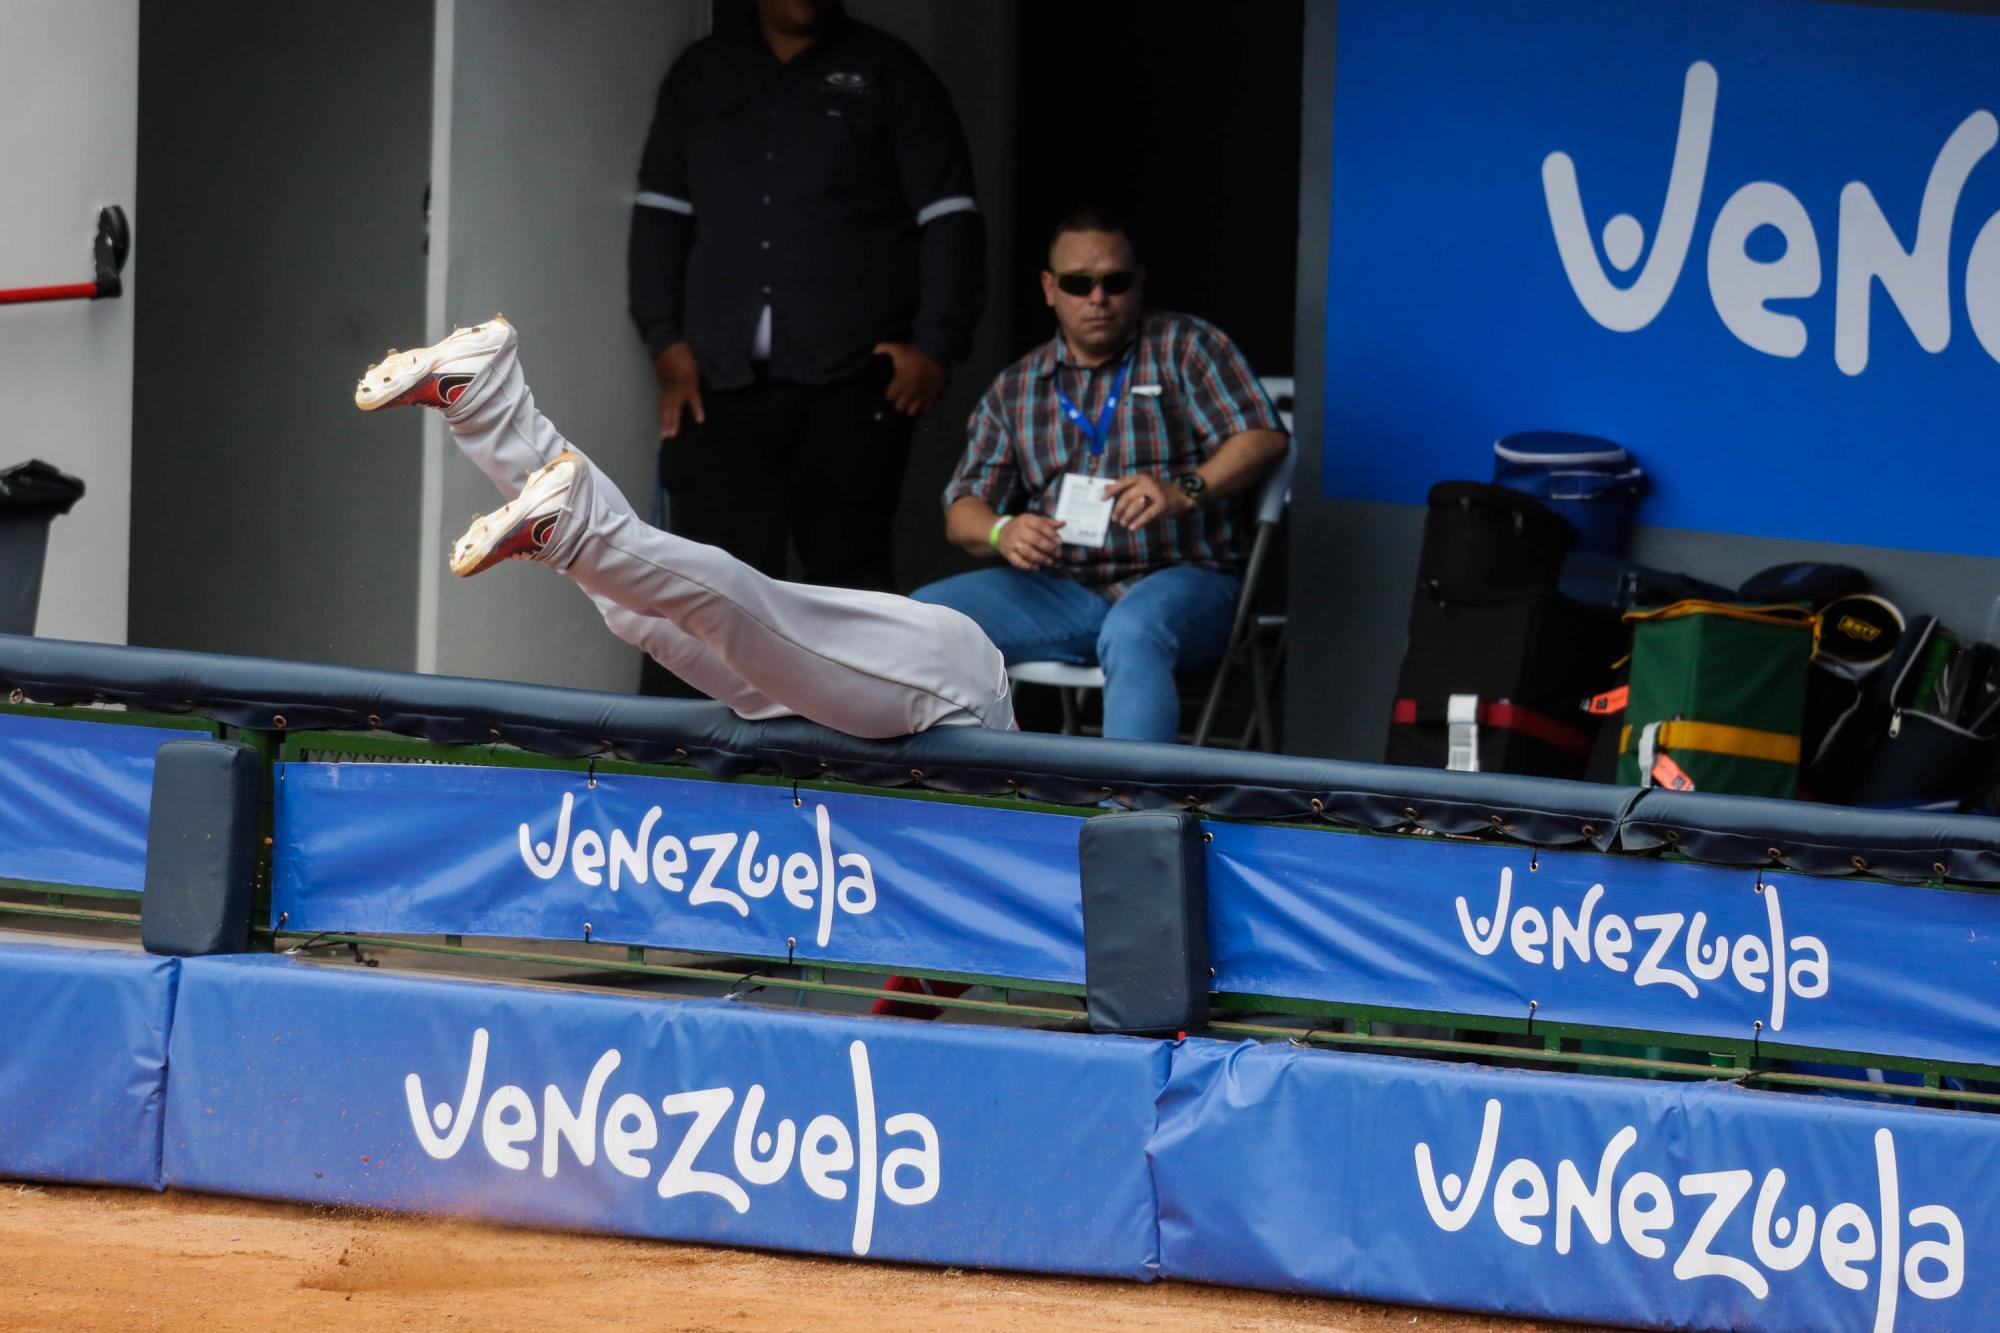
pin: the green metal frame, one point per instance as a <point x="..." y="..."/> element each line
<point x="115" y="715"/>
<point x="1748" y="1062"/>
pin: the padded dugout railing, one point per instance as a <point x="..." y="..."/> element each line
<point x="1384" y="829"/>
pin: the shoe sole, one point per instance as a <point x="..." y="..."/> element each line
<point x="501" y="535"/>
<point x="385" y="382"/>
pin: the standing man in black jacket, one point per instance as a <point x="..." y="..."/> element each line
<point x="807" y="259"/>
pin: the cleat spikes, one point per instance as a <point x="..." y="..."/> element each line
<point x="435" y="376"/>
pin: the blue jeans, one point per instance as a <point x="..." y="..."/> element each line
<point x="1175" y="619"/>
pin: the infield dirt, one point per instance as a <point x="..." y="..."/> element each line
<point x="90" y="1259"/>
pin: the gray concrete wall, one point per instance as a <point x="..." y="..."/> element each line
<point x="68" y="146"/>
<point x="971" y="48"/>
<point x="282" y="160"/>
<point x="541" y="114"/>
<point x="1354" y="563"/>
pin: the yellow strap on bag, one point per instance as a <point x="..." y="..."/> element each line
<point x="1720" y="738"/>
<point x="1781" y="614"/>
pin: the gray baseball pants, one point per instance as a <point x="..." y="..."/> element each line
<point x="867" y="663"/>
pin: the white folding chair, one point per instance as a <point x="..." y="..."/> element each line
<point x="1247" y="633"/>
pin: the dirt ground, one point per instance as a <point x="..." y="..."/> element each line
<point x="116" y="1259"/>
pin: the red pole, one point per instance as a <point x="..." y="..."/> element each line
<point x="74" y="291"/>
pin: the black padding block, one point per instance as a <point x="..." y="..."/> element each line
<point x="201" y="849"/>
<point x="1145" y="922"/>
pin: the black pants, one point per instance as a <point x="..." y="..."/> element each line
<point x="818" y="465"/>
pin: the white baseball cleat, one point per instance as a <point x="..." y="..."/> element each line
<point x="434" y="376"/>
<point x="521" y="528"/>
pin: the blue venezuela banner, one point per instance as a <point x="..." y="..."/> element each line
<point x="1609" y="941"/>
<point x="1755" y="241"/>
<point x="714" y="867"/>
<point x="708" y="1120"/>
<point x="1611" y="1200"/>
<point x="74" y="799"/>
<point x="1632" y="1201"/>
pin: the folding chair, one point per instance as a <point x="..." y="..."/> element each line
<point x="1248" y="633"/>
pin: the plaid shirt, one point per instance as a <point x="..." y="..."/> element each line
<point x="1189" y="389"/>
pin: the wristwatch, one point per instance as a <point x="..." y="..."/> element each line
<point x="1193" y="486"/>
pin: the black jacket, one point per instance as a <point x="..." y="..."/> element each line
<point x="836" y="188"/>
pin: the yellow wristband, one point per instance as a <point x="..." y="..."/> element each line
<point x="993" y="537"/>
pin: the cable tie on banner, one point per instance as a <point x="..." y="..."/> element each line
<point x="283" y="917"/>
<point x="1756" y="1036"/>
<point x="1304" y="1042"/>
<point x="1760" y="881"/>
<point x="1534" y="859"/>
<point x="590" y="774"/>
<point x="586" y="932"/>
<point x="736" y="987"/>
<point x="791" y="946"/>
<point x="1533" y="1005"/>
<point x="796" y="802"/>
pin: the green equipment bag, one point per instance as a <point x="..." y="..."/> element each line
<point x="1718" y="697"/>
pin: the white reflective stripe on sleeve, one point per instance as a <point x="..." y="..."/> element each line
<point x="958" y="203"/>
<point x="648" y="199"/>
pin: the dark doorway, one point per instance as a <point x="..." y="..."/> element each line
<point x="1184" y="117"/>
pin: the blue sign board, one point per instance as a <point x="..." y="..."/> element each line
<point x="74" y="799"/>
<point x="1696" y="1206"/>
<point x="710" y="866"/>
<point x="706" y="1120"/>
<point x="1611" y="1200"/>
<point x="1755" y="241"/>
<point x="1608" y="941"/>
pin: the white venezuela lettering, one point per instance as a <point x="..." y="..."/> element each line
<point x="1916" y="278"/>
<point x="826" y="1151"/>
<point x="1795" y="965"/>
<point x="1849" y="1235"/>
<point x="810" y="880"/>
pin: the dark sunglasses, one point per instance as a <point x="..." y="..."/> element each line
<point x="1082" y="284"/>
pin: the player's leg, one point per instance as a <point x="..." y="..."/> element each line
<point x="474" y="378"/>
<point x="868" y="663"/>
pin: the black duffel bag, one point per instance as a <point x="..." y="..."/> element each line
<point x="1482" y="542"/>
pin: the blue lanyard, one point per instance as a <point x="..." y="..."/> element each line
<point x="1099" y="431"/>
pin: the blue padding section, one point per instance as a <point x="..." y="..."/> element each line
<point x="74" y="798"/>
<point x="83" y="1062"/>
<point x="1480" y="929"/>
<point x="1309" y="1171"/>
<point x="302" y="1082"/>
<point x="708" y="866"/>
<point x="262" y="694"/>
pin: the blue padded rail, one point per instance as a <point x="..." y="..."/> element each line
<point x="701" y="1120"/>
<point x="83" y="1063"/>
<point x="278" y="696"/>
<point x="1604" y="1200"/>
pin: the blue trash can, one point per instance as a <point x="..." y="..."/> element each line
<point x="1592" y="482"/>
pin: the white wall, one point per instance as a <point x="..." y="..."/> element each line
<point x="542" y="111"/>
<point x="69" y="145"/>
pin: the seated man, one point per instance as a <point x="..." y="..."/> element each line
<point x="1106" y="471"/>
<point x="867" y="663"/>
